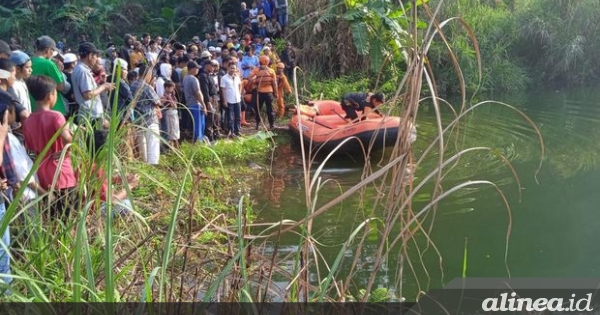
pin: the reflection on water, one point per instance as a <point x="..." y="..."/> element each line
<point x="554" y="228"/>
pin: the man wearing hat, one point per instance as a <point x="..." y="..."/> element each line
<point x="41" y="64"/>
<point x="69" y="62"/>
<point x="87" y="92"/>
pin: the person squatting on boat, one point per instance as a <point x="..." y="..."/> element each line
<point x="363" y="102"/>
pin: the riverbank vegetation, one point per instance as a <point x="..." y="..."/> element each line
<point x="522" y="43"/>
<point x="162" y="250"/>
<point x="193" y="236"/>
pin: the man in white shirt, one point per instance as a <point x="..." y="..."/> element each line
<point x="231" y="94"/>
<point x="87" y="92"/>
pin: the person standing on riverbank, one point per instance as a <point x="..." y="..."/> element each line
<point x="195" y="100"/>
<point x="41" y="64"/>
<point x="209" y="92"/>
<point x="231" y="91"/>
<point x="148" y="107"/>
<point x="284" y="86"/>
<point x="39" y="129"/>
<point x="171" y="114"/>
<point x="288" y="57"/>
<point x="7" y="82"/>
<point x="23" y="63"/>
<point x="86" y="90"/>
<point x="265" y="82"/>
<point x="5" y="238"/>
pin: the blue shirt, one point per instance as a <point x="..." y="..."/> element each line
<point x="266" y="6"/>
<point x="250" y="62"/>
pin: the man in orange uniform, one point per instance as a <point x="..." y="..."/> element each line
<point x="264" y="80"/>
<point x="283" y="85"/>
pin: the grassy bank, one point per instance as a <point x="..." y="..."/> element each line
<point x="163" y="251"/>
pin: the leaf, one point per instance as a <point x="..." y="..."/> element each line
<point x="464" y="267"/>
<point x="378" y="295"/>
<point x="24" y="11"/>
<point x="167" y="13"/>
<point x="394" y="27"/>
<point x="376" y="54"/>
<point x="5" y="9"/>
<point x="360" y="35"/>
<point x="353" y="15"/>
<point x="397" y="14"/>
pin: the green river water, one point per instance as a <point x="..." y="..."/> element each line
<point x="555" y="226"/>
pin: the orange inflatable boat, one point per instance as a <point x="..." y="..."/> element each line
<point x="323" y="123"/>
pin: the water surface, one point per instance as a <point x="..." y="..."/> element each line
<point x="555" y="226"/>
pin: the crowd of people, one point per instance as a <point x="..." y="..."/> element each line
<point x="159" y="91"/>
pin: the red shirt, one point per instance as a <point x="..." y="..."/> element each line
<point x="38" y="129"/>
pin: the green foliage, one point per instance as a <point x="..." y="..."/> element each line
<point x="375" y="32"/>
<point x="106" y="20"/>
<point x="97" y="258"/>
<point x="558" y="39"/>
<point x="524" y="43"/>
<point x="496" y="31"/>
<point x="335" y="88"/>
<point x="227" y="152"/>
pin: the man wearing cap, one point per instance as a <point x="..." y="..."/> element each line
<point x="19" y="88"/>
<point x="69" y="62"/>
<point x="194" y="100"/>
<point x="86" y="90"/>
<point x="42" y="65"/>
<point x="125" y="97"/>
<point x="205" y="55"/>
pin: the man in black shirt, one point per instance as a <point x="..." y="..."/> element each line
<point x="209" y="91"/>
<point x="364" y="102"/>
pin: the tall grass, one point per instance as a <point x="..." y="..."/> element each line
<point x="394" y="206"/>
<point x="161" y="252"/>
<point x="184" y="243"/>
